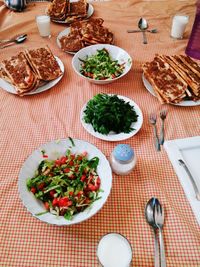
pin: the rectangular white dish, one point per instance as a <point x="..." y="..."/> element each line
<point x="187" y="149"/>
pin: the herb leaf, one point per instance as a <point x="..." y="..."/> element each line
<point x="108" y="113"/>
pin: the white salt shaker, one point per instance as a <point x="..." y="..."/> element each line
<point x="122" y="159"/>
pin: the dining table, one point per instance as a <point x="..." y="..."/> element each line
<point x="27" y="122"/>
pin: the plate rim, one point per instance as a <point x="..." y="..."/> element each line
<point x="114" y="137"/>
<point x="40" y="89"/>
<point x="60" y="221"/>
<point x="185" y="103"/>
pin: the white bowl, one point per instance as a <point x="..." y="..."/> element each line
<point x="54" y="150"/>
<point x="115" y="52"/>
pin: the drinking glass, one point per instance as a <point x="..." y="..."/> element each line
<point x="179" y="23"/>
<point x="114" y="250"/>
<point x="43" y="23"/>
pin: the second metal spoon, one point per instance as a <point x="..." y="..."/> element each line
<point x="143" y="25"/>
<point x="149" y="214"/>
<point x="18" y="39"/>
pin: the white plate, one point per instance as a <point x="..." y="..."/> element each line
<point x="54" y="150"/>
<point x="9" y="88"/>
<point x="186" y="103"/>
<point x="90" y="11"/>
<point x="112" y="136"/>
<point x="60" y="35"/>
<point x="187" y="149"/>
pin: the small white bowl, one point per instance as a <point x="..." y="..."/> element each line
<point x="115" y="52"/>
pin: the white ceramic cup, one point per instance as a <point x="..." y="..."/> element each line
<point x="114" y="250"/>
<point x="43" y="23"/>
<point x="179" y="23"/>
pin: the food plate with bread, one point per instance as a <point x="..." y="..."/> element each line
<point x="31" y="71"/>
<point x="173" y="79"/>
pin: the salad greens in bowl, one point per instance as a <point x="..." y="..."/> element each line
<point x="65" y="181"/>
<point x="102" y="63"/>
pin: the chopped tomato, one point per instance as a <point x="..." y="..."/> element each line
<point x="55" y="201"/>
<point x="57" y="162"/>
<point x="66" y="170"/>
<point x="64" y="202"/>
<point x="45" y="156"/>
<point x="46" y="204"/>
<point x="92" y="187"/>
<point x="63" y="160"/>
<point x="83" y="177"/>
<point x="52" y="192"/>
<point x="41" y="186"/>
<point x="71" y="163"/>
<point x="33" y="190"/>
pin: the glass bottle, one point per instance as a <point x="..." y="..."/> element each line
<point x="193" y="46"/>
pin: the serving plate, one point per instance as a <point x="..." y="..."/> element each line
<point x="10" y="88"/>
<point x="60" y="35"/>
<point x="186" y="103"/>
<point x="187" y="149"/>
<point x="90" y="12"/>
<point x="54" y="150"/>
<point x="113" y="136"/>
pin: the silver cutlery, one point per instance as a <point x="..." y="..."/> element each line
<point x="163" y="115"/>
<point x="151" y="31"/>
<point x="152" y="120"/>
<point x="10" y="42"/>
<point x="143" y="25"/>
<point x="159" y="221"/>
<point x="182" y="163"/>
<point x="149" y="214"/>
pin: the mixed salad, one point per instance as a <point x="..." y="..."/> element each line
<point x="101" y="66"/>
<point x="67" y="185"/>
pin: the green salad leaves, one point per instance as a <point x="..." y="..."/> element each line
<point x="101" y="66"/>
<point x="109" y="113"/>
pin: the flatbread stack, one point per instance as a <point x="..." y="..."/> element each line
<point x="66" y="11"/>
<point x="30" y="69"/>
<point x="173" y="78"/>
<point x="84" y="33"/>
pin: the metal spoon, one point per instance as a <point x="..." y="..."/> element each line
<point x="18" y="39"/>
<point x="151" y="31"/>
<point x="149" y="214"/>
<point x="143" y="25"/>
<point x="159" y="221"/>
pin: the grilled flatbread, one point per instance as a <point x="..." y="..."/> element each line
<point x="189" y="76"/>
<point x="58" y="9"/>
<point x="78" y="8"/>
<point x="168" y="85"/>
<point x="43" y="63"/>
<point x="20" y="73"/>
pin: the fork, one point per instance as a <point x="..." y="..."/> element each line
<point x="159" y="221"/>
<point x="152" y="120"/>
<point x="163" y="115"/>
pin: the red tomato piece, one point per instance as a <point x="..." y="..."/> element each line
<point x="46" y="204"/>
<point x="41" y="186"/>
<point x="83" y="177"/>
<point x="66" y="170"/>
<point x="33" y="190"/>
<point x="92" y="187"/>
<point x="55" y="201"/>
<point x="52" y="192"/>
<point x="63" y="202"/>
<point x="63" y="160"/>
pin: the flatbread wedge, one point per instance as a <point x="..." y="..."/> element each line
<point x="43" y="63"/>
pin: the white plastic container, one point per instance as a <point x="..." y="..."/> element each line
<point x="43" y="23"/>
<point x="114" y="250"/>
<point x="122" y="159"/>
<point x="179" y="23"/>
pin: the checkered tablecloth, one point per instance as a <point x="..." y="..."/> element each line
<point x="27" y="122"/>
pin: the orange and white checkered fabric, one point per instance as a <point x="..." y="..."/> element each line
<point x="28" y="122"/>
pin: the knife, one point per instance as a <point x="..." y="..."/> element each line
<point x="182" y="163"/>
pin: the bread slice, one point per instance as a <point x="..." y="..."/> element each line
<point x="20" y="73"/>
<point x="167" y="84"/>
<point x="58" y="9"/>
<point x="43" y="63"/>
